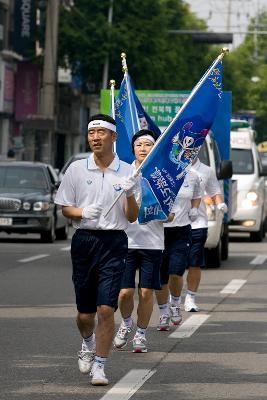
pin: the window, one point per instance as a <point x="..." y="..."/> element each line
<point x="217" y="156"/>
<point x="23" y="178"/>
<point x="242" y="161"/>
<point x="203" y="154"/>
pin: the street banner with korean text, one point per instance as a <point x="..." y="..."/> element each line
<point x="164" y="169"/>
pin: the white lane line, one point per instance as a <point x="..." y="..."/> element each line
<point x="233" y="286"/>
<point x="258" y="260"/>
<point x="189" y="326"/>
<point x="65" y="248"/>
<point x="244" y="254"/>
<point x="126" y="387"/>
<point x="33" y="258"/>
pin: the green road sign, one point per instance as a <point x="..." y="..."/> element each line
<point x="161" y="105"/>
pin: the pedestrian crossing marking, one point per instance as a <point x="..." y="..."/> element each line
<point x="33" y="258"/>
<point x="233" y="286"/>
<point x="189" y="326"/>
<point x="258" y="260"/>
<point x="65" y="248"/>
<point x="126" y="387"/>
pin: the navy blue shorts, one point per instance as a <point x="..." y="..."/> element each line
<point x="175" y="256"/>
<point x="148" y="262"/>
<point x="98" y="260"/>
<point x="196" y="256"/>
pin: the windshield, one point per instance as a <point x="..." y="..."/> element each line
<point x="14" y="177"/>
<point x="203" y="154"/>
<point x="242" y="161"/>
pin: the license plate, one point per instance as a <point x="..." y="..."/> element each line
<point x="5" y="221"/>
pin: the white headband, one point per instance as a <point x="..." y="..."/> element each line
<point x="99" y="123"/>
<point x="148" y="137"/>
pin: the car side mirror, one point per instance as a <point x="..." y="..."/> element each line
<point x="263" y="171"/>
<point x="225" y="170"/>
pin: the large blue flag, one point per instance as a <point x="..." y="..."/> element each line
<point x="164" y="170"/>
<point x="130" y="116"/>
<point x="127" y="120"/>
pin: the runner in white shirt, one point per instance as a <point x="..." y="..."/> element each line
<point x="211" y="187"/>
<point x="145" y="244"/>
<point x="99" y="245"/>
<point x="177" y="246"/>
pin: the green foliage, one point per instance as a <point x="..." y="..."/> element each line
<point x="244" y="63"/>
<point x="156" y="59"/>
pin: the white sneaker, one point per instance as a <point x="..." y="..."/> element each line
<point x="139" y="344"/>
<point x="98" y="375"/>
<point x="85" y="360"/>
<point x="122" y="335"/>
<point x="176" y="316"/>
<point x="164" y="323"/>
<point x="189" y="304"/>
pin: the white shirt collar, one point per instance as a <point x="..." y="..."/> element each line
<point x="114" y="166"/>
<point x="197" y="164"/>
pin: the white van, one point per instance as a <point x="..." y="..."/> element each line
<point x="218" y="238"/>
<point x="247" y="171"/>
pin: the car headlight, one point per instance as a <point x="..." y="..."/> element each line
<point x="26" y="206"/>
<point x="40" y="206"/>
<point x="252" y="196"/>
<point x="251" y="200"/>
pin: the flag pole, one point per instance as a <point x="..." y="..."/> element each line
<point x="125" y="70"/>
<point x="112" y="103"/>
<point x="224" y="51"/>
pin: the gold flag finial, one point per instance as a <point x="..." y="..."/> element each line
<point x="225" y="50"/>
<point x="124" y="63"/>
<point x="112" y="83"/>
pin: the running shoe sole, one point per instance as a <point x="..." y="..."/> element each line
<point x="139" y="350"/>
<point x="163" y="328"/>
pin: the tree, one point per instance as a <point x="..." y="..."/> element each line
<point x="244" y="63"/>
<point x="156" y="58"/>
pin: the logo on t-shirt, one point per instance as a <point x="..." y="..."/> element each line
<point x="89" y="182"/>
<point x="117" y="187"/>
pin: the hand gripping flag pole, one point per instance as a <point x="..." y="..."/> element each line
<point x="174" y="121"/>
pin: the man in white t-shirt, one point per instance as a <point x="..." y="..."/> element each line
<point x="210" y="186"/>
<point x="99" y="245"/>
<point x="145" y="244"/>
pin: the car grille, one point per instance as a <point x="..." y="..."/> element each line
<point x="7" y="204"/>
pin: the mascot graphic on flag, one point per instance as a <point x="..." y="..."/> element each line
<point x="185" y="148"/>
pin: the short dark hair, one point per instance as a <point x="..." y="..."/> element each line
<point x="102" y="117"/>
<point x="143" y="132"/>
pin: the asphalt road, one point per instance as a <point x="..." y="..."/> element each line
<point x="219" y="353"/>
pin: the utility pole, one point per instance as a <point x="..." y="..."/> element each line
<point x="106" y="65"/>
<point x="49" y="79"/>
<point x="255" y="35"/>
<point x="228" y="20"/>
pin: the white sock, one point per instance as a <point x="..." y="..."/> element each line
<point x="191" y="293"/>
<point x="175" y="300"/>
<point x="163" y="309"/>
<point x="128" y="322"/>
<point x="89" y="342"/>
<point x="100" y="361"/>
<point x="140" y="332"/>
